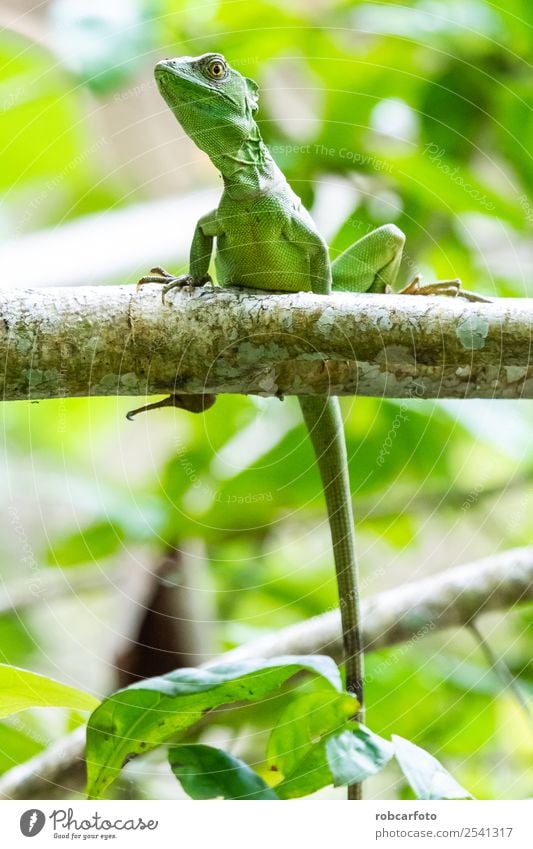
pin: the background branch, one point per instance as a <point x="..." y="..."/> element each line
<point x="111" y="340"/>
<point x="452" y="598"/>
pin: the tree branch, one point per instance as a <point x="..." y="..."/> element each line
<point x="452" y="598"/>
<point x="51" y="584"/>
<point x="111" y="340"/>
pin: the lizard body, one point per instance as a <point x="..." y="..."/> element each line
<point x="266" y="239"/>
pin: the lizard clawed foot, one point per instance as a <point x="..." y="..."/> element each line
<point x="191" y="403"/>
<point x="448" y="288"/>
<point x="171" y="281"/>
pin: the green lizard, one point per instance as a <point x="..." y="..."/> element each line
<point x="266" y="239"/>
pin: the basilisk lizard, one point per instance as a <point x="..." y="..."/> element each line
<point x="266" y="239"/>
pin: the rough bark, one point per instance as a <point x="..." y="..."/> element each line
<point x="452" y="598"/>
<point x="113" y="340"/>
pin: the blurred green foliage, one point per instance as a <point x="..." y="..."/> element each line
<point x="418" y="113"/>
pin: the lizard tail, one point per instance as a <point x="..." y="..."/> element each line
<point x="323" y="419"/>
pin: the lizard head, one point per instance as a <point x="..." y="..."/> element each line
<point x="212" y="101"/>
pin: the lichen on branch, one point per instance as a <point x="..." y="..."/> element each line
<point x="115" y="340"/>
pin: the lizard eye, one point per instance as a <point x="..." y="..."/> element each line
<point x="217" y="69"/>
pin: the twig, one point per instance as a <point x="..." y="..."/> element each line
<point x="52" y="583"/>
<point x="500" y="668"/>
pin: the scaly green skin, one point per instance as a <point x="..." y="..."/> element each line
<point x="266" y="239"/>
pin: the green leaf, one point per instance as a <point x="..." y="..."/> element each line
<point x="208" y="773"/>
<point x="310" y="774"/>
<point x="307" y="717"/>
<point x="140" y="717"/>
<point x="355" y="755"/>
<point x="21" y="689"/>
<point x="425" y="774"/>
<point x="338" y="759"/>
<point x="17" y="745"/>
<point x="91" y="544"/>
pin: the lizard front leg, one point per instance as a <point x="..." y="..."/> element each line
<point x="200" y="255"/>
<point x="199" y="259"/>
